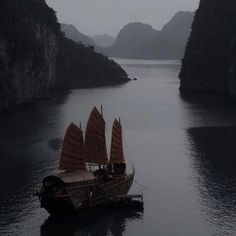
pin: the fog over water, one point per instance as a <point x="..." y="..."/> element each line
<point x="109" y="16"/>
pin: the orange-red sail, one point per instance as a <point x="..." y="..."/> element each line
<point x="72" y="153"/>
<point x="117" y="153"/>
<point x="95" y="140"/>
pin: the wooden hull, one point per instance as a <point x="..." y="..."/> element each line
<point x="79" y="198"/>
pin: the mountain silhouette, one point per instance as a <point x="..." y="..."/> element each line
<point x="142" y="41"/>
<point x="104" y="40"/>
<point x="71" y="32"/>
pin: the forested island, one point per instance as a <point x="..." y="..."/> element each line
<point x="36" y="57"/>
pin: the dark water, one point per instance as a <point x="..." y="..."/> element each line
<point x="183" y="150"/>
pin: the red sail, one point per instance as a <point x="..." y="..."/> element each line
<point x="117" y="153"/>
<point x="72" y="153"/>
<point x="95" y="140"/>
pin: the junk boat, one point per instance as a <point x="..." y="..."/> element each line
<point x="87" y="178"/>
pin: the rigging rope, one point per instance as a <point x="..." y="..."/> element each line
<point x="128" y="152"/>
<point x="144" y="187"/>
<point x="130" y="159"/>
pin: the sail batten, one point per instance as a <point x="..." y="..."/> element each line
<point x="117" y="153"/>
<point x="72" y="153"/>
<point x="95" y="140"/>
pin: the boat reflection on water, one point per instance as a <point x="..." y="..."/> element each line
<point x="101" y="222"/>
<point x="214" y="152"/>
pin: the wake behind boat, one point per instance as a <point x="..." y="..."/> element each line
<point x="87" y="178"/>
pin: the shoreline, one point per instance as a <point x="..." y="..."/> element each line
<point x="58" y="91"/>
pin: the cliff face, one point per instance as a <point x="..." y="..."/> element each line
<point x="209" y="64"/>
<point x="35" y="56"/>
<point x="28" y="50"/>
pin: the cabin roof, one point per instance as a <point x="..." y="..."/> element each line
<point x="76" y="176"/>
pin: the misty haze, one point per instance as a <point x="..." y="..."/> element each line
<point x="117" y="117"/>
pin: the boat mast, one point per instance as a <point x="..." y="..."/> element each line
<point x="102" y="110"/>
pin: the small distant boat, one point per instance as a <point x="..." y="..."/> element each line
<point x="87" y="178"/>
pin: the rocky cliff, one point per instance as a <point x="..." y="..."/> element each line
<point x="209" y="64"/>
<point x="35" y="56"/>
<point x="28" y="50"/>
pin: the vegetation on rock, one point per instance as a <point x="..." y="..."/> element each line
<point x="79" y="66"/>
<point x="33" y="51"/>
<point x="209" y="64"/>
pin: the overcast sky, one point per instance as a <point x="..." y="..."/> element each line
<point x="109" y="16"/>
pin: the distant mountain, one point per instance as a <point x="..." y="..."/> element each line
<point x="160" y="47"/>
<point x="131" y="40"/>
<point x="138" y="40"/>
<point x="71" y="32"/>
<point x="104" y="40"/>
<point x="141" y="41"/>
<point x="178" y="29"/>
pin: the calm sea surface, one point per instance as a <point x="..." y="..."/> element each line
<point x="184" y="151"/>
